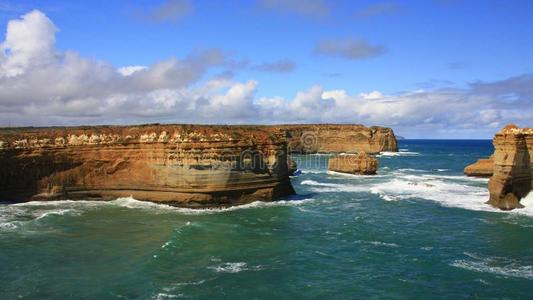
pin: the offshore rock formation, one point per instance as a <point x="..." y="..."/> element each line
<point x="331" y="138"/>
<point x="186" y="165"/>
<point x="512" y="178"/>
<point x="484" y="168"/>
<point x="361" y="163"/>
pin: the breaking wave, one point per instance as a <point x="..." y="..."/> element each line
<point x="448" y="190"/>
<point x="401" y="153"/>
<point x="13" y="216"/>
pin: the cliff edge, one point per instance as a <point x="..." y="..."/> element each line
<point x="186" y="165"/>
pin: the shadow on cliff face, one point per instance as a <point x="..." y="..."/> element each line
<point x="22" y="177"/>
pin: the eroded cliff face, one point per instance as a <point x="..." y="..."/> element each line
<point x="186" y="165"/>
<point x="483" y="168"/>
<point x="512" y="177"/>
<point x="331" y="138"/>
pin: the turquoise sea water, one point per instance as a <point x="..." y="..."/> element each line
<point x="417" y="230"/>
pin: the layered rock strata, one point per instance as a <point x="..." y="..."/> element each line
<point x="483" y="168"/>
<point x="361" y="163"/>
<point x="186" y="165"/>
<point x="335" y="138"/>
<point x="512" y="177"/>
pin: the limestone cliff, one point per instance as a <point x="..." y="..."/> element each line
<point x="481" y="168"/>
<point x="512" y="177"/>
<point x="332" y="138"/>
<point x="361" y="163"/>
<point x="187" y="165"/>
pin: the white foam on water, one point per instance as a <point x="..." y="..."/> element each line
<point x="412" y="170"/>
<point x="189" y="283"/>
<point x="58" y="212"/>
<point x="322" y="187"/>
<point x="392" y="154"/>
<point x="451" y="191"/>
<point x="378" y="243"/>
<point x="353" y="175"/>
<point x="235" y="267"/>
<point x="161" y="296"/>
<point x="511" y="269"/>
<point x="13" y="216"/>
<point x="448" y="190"/>
<point x="445" y="192"/>
<point x="314" y="171"/>
<point x="316" y="183"/>
<point x="457" y="177"/>
<point x="8" y="226"/>
<point x="527" y="202"/>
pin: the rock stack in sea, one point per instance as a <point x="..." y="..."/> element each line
<point x="483" y="168"/>
<point x="361" y="163"/>
<point x="512" y="176"/>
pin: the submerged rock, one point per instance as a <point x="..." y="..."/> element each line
<point x="484" y="168"/>
<point x="361" y="163"/>
<point x="512" y="177"/>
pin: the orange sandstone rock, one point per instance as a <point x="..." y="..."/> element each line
<point x="361" y="163"/>
<point x="335" y="138"/>
<point x="512" y="177"/>
<point x="482" y="168"/>
<point x="186" y="165"/>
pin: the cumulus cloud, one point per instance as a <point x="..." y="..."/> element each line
<point x="314" y="8"/>
<point x="280" y="66"/>
<point x="40" y="85"/>
<point x="352" y="49"/>
<point x="377" y="9"/>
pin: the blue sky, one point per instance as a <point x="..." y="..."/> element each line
<point x="429" y="49"/>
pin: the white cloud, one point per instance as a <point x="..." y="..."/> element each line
<point x="372" y="95"/>
<point x="40" y="85"/>
<point x="128" y="70"/>
<point x="28" y="41"/>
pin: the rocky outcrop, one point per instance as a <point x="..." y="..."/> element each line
<point x="361" y="163"/>
<point x="512" y="177"/>
<point x="481" y="168"/>
<point x="186" y="165"/>
<point x="331" y="138"/>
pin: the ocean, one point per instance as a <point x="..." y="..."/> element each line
<point x="419" y="229"/>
